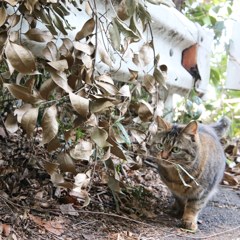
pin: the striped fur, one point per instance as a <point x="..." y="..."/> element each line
<point x="191" y="163"/>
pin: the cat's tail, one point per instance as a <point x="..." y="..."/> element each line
<point x="222" y="126"/>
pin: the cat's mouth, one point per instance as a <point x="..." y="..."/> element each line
<point x="163" y="161"/>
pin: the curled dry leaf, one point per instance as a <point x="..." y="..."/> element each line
<point x="29" y="120"/>
<point x="51" y="167"/>
<point x="100" y="136"/>
<point x="104" y="54"/>
<point x="100" y="105"/>
<point x="13" y="20"/>
<point x="149" y="83"/>
<point x="57" y="179"/>
<point x="107" y="88"/>
<point x="66" y="47"/>
<point x="11" y="123"/>
<point x="53" y="144"/>
<point x="125" y="91"/>
<point x="60" y="78"/>
<point x="12" y="2"/>
<point x="50" y="52"/>
<point x="3" y="15"/>
<point x="86" y="30"/>
<point x="66" y="163"/>
<point x="20" y="111"/>
<point x="126" y="31"/>
<point x="81" y="180"/>
<point x="60" y="65"/>
<point x="80" y="104"/>
<point x="82" y="151"/>
<point x="30" y="5"/>
<point x="116" y="149"/>
<point x="145" y="55"/>
<point x="139" y="136"/>
<point x="21" y="92"/>
<point x="83" y="47"/>
<point x="160" y="77"/>
<point x="49" y="124"/>
<point x="115" y="36"/>
<point x="38" y="35"/>
<point x="46" y="88"/>
<point x="114" y="184"/>
<point x="20" y="58"/>
<point x="145" y="111"/>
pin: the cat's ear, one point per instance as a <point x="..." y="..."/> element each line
<point x="163" y="124"/>
<point x="191" y="128"/>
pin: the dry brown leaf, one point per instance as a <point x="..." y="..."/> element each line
<point x="20" y="111"/>
<point x="83" y="47"/>
<point x="66" y="164"/>
<point x="49" y="124"/>
<point x="86" y="30"/>
<point x="145" y="55"/>
<point x="13" y="20"/>
<point x="107" y="88"/>
<point x="51" y="168"/>
<point x="60" y="65"/>
<point x="3" y="15"/>
<point x="82" y="151"/>
<point x="11" y="123"/>
<point x="100" y="136"/>
<point x="149" y="83"/>
<point x="53" y="144"/>
<point x="20" y="58"/>
<point x="30" y="5"/>
<point x="39" y="35"/>
<point x="100" y="105"/>
<point x="46" y="88"/>
<point x="80" y="104"/>
<point x="21" y="92"/>
<point x="12" y="2"/>
<point x="50" y="52"/>
<point x="60" y="78"/>
<point x="104" y="54"/>
<point x="145" y="111"/>
<point x="29" y="120"/>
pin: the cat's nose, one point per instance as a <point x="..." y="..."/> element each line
<point x="164" y="154"/>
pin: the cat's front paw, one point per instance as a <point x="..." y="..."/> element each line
<point x="190" y="225"/>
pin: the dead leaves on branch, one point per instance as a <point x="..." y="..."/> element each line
<point x="76" y="104"/>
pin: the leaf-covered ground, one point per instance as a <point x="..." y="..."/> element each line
<point x="32" y="208"/>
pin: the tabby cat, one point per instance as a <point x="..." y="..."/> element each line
<point x="191" y="163"/>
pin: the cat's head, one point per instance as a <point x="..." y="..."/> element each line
<point x="175" y="144"/>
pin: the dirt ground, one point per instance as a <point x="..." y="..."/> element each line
<point x="29" y="208"/>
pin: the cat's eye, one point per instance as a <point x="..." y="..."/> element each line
<point x="176" y="149"/>
<point x="159" y="146"/>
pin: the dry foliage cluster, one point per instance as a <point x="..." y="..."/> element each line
<point x="65" y="90"/>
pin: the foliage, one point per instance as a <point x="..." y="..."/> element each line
<point x="222" y="102"/>
<point x="62" y="87"/>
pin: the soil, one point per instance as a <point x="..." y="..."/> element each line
<point x="31" y="209"/>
